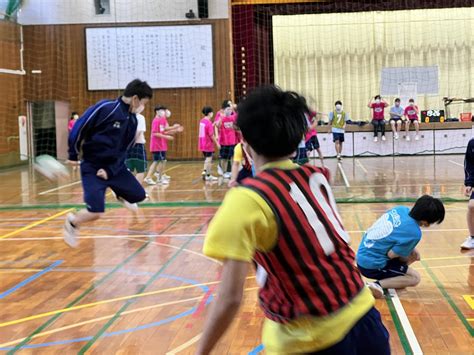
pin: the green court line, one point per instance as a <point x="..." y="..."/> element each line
<point x="448" y="299"/>
<point x="140" y="291"/>
<point x="210" y="204"/>
<point x="396" y="320"/>
<point x="398" y="325"/>
<point x="85" y="293"/>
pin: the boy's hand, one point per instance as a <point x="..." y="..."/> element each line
<point x="232" y="183"/>
<point x="170" y="138"/>
<point x="414" y="256"/>
<point x="467" y="190"/>
<point x="102" y="174"/>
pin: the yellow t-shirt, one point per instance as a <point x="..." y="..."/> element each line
<point x="238" y="155"/>
<point x="253" y="227"/>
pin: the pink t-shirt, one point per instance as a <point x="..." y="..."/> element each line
<point x="158" y="144"/>
<point x="312" y="131"/>
<point x="410" y="112"/>
<point x="378" y="111"/>
<point x="227" y="134"/>
<point x="206" y="132"/>
<point x="71" y="124"/>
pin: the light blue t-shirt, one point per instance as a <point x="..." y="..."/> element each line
<point x="395" y="231"/>
<point x="331" y="117"/>
<point x="397" y="111"/>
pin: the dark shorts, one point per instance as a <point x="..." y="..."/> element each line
<point x="338" y="137"/>
<point x="398" y="119"/>
<point x="367" y="336"/>
<point x="301" y="156"/>
<point x="312" y="144"/>
<point x="124" y="184"/>
<point x="136" y="158"/>
<point x="159" y="156"/>
<point x="243" y="174"/>
<point x="226" y="152"/>
<point x="207" y="154"/>
<point x="393" y="268"/>
<point x="472" y="196"/>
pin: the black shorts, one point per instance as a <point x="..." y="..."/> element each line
<point x="136" y="158"/>
<point x="312" y="144"/>
<point x="338" y="137"/>
<point x="393" y="268"/>
<point x="395" y="119"/>
<point x="159" y="156"/>
<point x="226" y="152"/>
<point x="207" y="154"/>
<point x="301" y="156"/>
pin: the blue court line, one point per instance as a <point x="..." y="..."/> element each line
<point x="30" y="279"/>
<point x="257" y="350"/>
<point x="189" y="312"/>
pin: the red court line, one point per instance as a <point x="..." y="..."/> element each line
<point x="202" y="304"/>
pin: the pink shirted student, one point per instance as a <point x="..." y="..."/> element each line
<point x="161" y="133"/>
<point x="72" y="120"/>
<point x="207" y="140"/>
<point x="225" y="122"/>
<point x="311" y="137"/>
<point x="378" y="116"/>
<point x="411" y="113"/>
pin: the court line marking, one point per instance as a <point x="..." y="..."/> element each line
<point x="142" y="289"/>
<point x="456" y="163"/>
<point x="60" y="187"/>
<point x="470" y="300"/>
<point x="30" y="279"/>
<point x="344" y="177"/>
<point x="34" y="224"/>
<point x="410" y="334"/>
<point x="257" y="350"/>
<point x="448" y="299"/>
<point x="86" y="292"/>
<point x="94" y="320"/>
<point x="359" y="164"/>
<point x="185" y="345"/>
<point x="106" y="301"/>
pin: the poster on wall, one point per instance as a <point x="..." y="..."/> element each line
<point x="164" y="56"/>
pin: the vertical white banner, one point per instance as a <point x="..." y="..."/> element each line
<point x="23" y="137"/>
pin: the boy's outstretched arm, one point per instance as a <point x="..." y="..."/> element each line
<point x="226" y="305"/>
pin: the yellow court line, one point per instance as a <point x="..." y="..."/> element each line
<point x="470" y="300"/>
<point x="447" y="258"/>
<point x="34" y="224"/>
<point x="75" y="325"/>
<point x="93" y="304"/>
<point x="172" y="168"/>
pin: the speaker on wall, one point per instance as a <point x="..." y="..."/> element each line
<point x="203" y="9"/>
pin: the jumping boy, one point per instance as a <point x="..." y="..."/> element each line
<point x="285" y="221"/>
<point x="389" y="246"/>
<point x="101" y="139"/>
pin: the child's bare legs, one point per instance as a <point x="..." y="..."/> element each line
<point x="470" y="217"/>
<point x="84" y="216"/>
<point x="152" y="169"/>
<point x="410" y="279"/>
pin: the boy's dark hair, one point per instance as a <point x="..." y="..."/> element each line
<point x="207" y="110"/>
<point x="272" y="121"/>
<point x="411" y="100"/>
<point x="429" y="209"/>
<point x="377" y="97"/>
<point x="225" y="104"/>
<point x="159" y="107"/>
<point x="397" y="100"/>
<point x="337" y="103"/>
<point x="139" y="88"/>
<point x="73" y="114"/>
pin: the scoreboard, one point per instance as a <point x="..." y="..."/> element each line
<point x="428" y="116"/>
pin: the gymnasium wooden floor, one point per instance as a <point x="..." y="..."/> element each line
<point x="139" y="284"/>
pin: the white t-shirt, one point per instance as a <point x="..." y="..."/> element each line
<point x="141" y="129"/>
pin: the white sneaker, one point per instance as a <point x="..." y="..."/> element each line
<point x="150" y="181"/>
<point x="163" y="181"/>
<point x="129" y="206"/>
<point x="396" y="136"/>
<point x="167" y="177"/>
<point x="383" y="138"/>
<point x="70" y="232"/>
<point x="227" y="175"/>
<point x="376" y="139"/>
<point x="203" y="174"/>
<point x="417" y="137"/>
<point x="408" y="138"/>
<point x="376" y="289"/>
<point x="211" y="178"/>
<point x="220" y="172"/>
<point x="468" y="244"/>
<point x="157" y="175"/>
